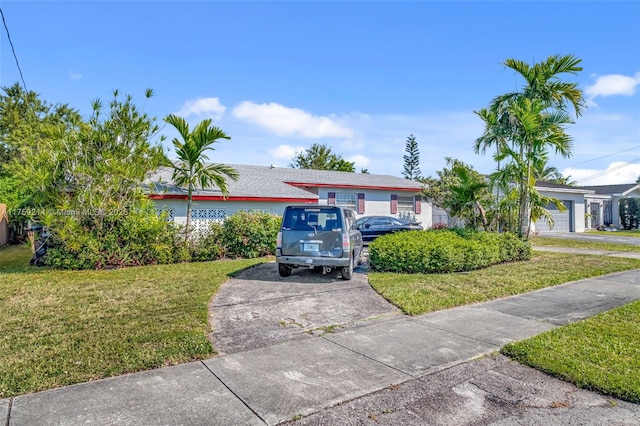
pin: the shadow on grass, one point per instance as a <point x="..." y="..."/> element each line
<point x="14" y="259"/>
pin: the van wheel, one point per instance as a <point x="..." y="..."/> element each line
<point x="284" y="270"/>
<point x="347" y="271"/>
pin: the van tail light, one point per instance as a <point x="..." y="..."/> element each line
<point x="346" y="245"/>
<point x="279" y="240"/>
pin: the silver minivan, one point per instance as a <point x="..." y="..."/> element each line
<point x="318" y="236"/>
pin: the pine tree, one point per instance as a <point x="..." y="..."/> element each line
<point x="412" y="159"/>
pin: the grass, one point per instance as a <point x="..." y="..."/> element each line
<point x="622" y="233"/>
<point x="419" y="293"/>
<point x="63" y="327"/>
<point x="591" y="245"/>
<point x="601" y="353"/>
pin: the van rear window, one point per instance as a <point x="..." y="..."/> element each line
<point x="319" y="219"/>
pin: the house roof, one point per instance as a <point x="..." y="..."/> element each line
<point x="262" y="182"/>
<point x="620" y="190"/>
<point x="558" y="187"/>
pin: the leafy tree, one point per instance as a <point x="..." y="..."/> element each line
<point x="462" y="191"/>
<point x="411" y="159"/>
<point x="366" y="171"/>
<point x="525" y="124"/>
<point x="320" y="157"/>
<point x="190" y="169"/>
<point x="638" y="180"/>
<point x="96" y="165"/>
<point x="25" y="121"/>
<point x="86" y="177"/>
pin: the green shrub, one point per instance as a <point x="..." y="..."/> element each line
<point x="250" y="234"/>
<point x="137" y="237"/>
<point x="210" y="246"/>
<point x="630" y="213"/>
<point x="446" y="250"/>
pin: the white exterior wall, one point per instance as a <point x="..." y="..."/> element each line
<point x="578" y="206"/>
<point x="230" y="207"/>
<point x="378" y="202"/>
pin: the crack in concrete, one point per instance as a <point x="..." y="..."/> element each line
<point x="233" y="393"/>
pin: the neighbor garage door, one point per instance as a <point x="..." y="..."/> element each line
<point x="562" y="221"/>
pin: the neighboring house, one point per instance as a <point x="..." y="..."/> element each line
<point x="571" y="220"/>
<point x="603" y="206"/>
<point x="271" y="189"/>
<point x="573" y="198"/>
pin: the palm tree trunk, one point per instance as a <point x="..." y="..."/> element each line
<point x="189" y="201"/>
<point x="483" y="214"/>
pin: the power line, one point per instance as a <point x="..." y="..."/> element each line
<point x="605" y="156"/>
<point x="13" y="50"/>
<point x="606" y="172"/>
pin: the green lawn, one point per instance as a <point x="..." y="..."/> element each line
<point x="601" y="353"/>
<point x="63" y="327"/>
<point x="622" y="233"/>
<point x="592" y="245"/>
<point x="420" y="293"/>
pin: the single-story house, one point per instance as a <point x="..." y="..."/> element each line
<point x="573" y="198"/>
<point x="271" y="189"/>
<point x="603" y="205"/>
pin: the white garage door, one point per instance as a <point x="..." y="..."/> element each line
<point x="562" y="221"/>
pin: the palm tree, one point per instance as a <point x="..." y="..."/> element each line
<point x="543" y="83"/>
<point x="526" y="123"/>
<point x="190" y="169"/>
<point x="469" y="195"/>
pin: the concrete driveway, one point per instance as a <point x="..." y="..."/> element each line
<point x="609" y="237"/>
<point x="258" y="308"/>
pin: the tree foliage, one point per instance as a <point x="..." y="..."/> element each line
<point x="26" y="121"/>
<point x="462" y="191"/>
<point x="630" y="213"/>
<point x="320" y="157"/>
<point x="85" y="179"/>
<point x="411" y="159"/>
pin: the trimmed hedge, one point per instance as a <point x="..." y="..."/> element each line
<point x="443" y="251"/>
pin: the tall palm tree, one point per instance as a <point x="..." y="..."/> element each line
<point x="538" y="129"/>
<point x="528" y="122"/>
<point x="190" y="169"/>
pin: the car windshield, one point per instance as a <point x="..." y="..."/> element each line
<point x="318" y="219"/>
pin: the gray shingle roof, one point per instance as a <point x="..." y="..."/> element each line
<point x="612" y="189"/>
<point x="559" y="187"/>
<point x="262" y="181"/>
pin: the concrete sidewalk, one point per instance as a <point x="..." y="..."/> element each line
<point x="278" y="383"/>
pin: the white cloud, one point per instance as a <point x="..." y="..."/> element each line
<point x="619" y="172"/>
<point x="285" y="121"/>
<point x="203" y="106"/>
<point x="360" y="161"/>
<point x="613" y="84"/>
<point x="75" y="75"/>
<point x="285" y="151"/>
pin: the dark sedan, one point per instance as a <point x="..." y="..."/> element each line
<point x="373" y="226"/>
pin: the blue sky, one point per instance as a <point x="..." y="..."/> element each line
<point x="358" y="76"/>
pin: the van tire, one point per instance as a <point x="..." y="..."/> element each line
<point x="347" y="271"/>
<point x="284" y="270"/>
